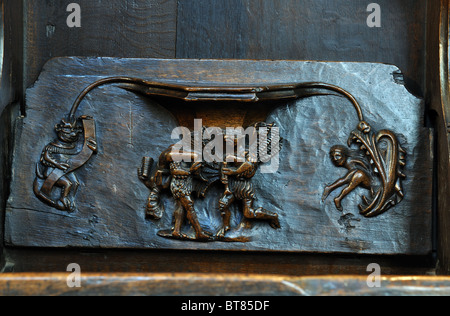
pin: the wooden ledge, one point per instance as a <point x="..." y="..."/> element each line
<point x="218" y="285"/>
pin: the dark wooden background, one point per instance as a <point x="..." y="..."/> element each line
<point x="36" y="31"/>
<point x="240" y="29"/>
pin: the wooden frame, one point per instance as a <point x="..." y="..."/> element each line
<point x="438" y="94"/>
<point x="13" y="84"/>
<point x="217" y="285"/>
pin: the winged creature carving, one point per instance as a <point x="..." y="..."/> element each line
<point x="377" y="167"/>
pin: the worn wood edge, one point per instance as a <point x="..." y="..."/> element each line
<point x="23" y="260"/>
<point x="127" y="284"/>
<point x="191" y="89"/>
<point x="55" y="60"/>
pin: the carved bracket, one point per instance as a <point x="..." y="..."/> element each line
<point x="376" y="166"/>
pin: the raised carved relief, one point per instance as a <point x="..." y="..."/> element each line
<point x="191" y="178"/>
<point x="59" y="161"/>
<point x="376" y="166"/>
<point x="311" y="105"/>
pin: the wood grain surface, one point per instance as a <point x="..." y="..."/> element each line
<point x="250" y="29"/>
<point x="110" y="28"/>
<point x="439" y="97"/>
<point x="11" y="93"/>
<point x="313" y="30"/>
<point x="194" y="285"/>
<point x="305" y="30"/>
<point x="47" y="260"/>
<point x="111" y="199"/>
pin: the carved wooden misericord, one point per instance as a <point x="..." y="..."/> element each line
<point x="300" y="114"/>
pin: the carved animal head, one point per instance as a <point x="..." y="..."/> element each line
<point x="68" y="132"/>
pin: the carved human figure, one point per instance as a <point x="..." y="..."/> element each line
<point x="185" y="174"/>
<point x="55" y="169"/>
<point x="238" y="187"/>
<point x="182" y="186"/>
<point x="358" y="174"/>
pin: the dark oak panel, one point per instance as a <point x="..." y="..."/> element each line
<point x="111" y="199"/>
<point x="306" y="30"/>
<point x="219" y="285"/>
<point x="11" y="29"/>
<point x="10" y="93"/>
<point x="165" y="261"/>
<point x="439" y="103"/>
<point x="233" y="29"/>
<point x="109" y="28"/>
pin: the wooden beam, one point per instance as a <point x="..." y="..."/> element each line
<point x="217" y="285"/>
